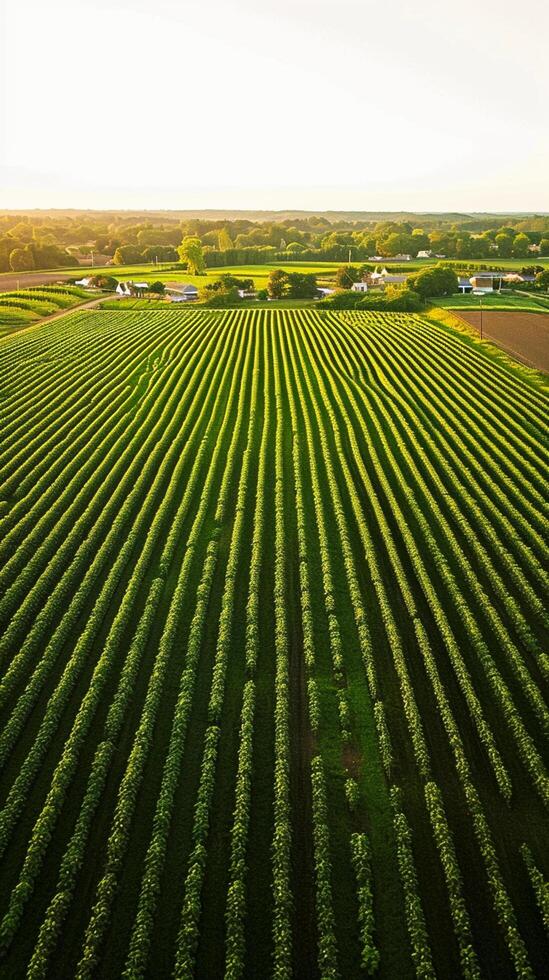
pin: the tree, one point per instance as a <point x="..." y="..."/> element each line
<point x="224" y="240"/>
<point x="104" y="282"/>
<point x="302" y="285"/>
<point x="505" y="245"/>
<point x="191" y="252"/>
<point x="127" y="254"/>
<point x="226" y="282"/>
<point x="221" y="297"/>
<point x="395" y="244"/>
<point x="436" y="281"/>
<point x="162" y="253"/>
<point x="521" y="246"/>
<point x="464" y="247"/>
<point x="542" y="279"/>
<point x="402" y="299"/>
<point x="420" y="241"/>
<point x="157" y="287"/>
<point x="277" y="283"/>
<point x="21" y="260"/>
<point x="544" y="246"/>
<point x="346" y="275"/>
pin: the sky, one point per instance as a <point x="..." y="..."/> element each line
<point x="274" y="104"/>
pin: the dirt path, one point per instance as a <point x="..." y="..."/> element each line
<point x="523" y="335"/>
<point x="88" y="304"/>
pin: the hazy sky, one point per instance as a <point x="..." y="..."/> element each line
<point x="275" y="103"/>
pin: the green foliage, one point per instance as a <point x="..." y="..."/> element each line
<point x="301" y="285"/>
<point x="22" y="259"/>
<point x="362" y="865"/>
<point x="346" y="275"/>
<point x="521" y="244"/>
<point x="191" y="252"/>
<point x="436" y="281"/>
<point x="277" y="284"/>
<point x="395" y="298"/>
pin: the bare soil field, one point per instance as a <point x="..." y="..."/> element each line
<point x="22" y="280"/>
<point x="524" y="335"/>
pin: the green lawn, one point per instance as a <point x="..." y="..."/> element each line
<point x="495" y="301"/>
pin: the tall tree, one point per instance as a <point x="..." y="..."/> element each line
<point x="521" y="246"/>
<point x="191" y="252"/>
<point x="505" y="245"/>
<point x="224" y="240"/>
<point x="277" y="283"/>
<point x="21" y="259"/>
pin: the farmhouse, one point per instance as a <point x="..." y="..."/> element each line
<point x="360" y="287"/>
<point x="393" y="280"/>
<point x="488" y="282"/>
<point x="323" y="291"/>
<point x="424" y="254"/>
<point x="86" y="282"/>
<point x="182" y="292"/>
<point x="129" y="288"/>
<point x="464" y="285"/>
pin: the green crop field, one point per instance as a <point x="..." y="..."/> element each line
<point x="22" y="307"/>
<point x="273" y="650"/>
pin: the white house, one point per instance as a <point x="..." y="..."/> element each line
<point x="424" y="254"/>
<point x="360" y="287"/>
<point x="324" y="291"/>
<point x="126" y="289"/>
<point x="86" y="282"/>
<point x="247" y="294"/>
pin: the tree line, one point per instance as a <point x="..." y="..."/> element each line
<point x="45" y="240"/>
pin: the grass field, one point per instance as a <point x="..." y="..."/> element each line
<point x="496" y="301"/>
<point x="274" y="683"/>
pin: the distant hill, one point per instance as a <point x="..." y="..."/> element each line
<point x="444" y="217"/>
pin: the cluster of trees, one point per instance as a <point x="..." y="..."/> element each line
<point x="435" y="280"/>
<point x="29" y="241"/>
<point x="225" y="291"/>
<point x="32" y="255"/>
<point x="293" y="285"/>
<point x="398" y="299"/>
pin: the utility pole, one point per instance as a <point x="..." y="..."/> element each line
<point x="480" y="294"/>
